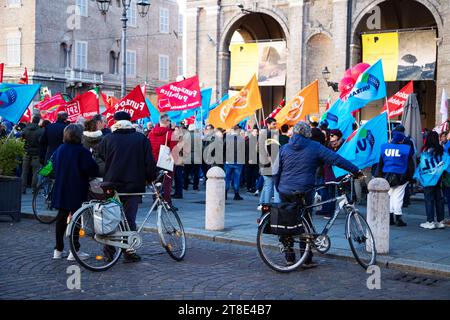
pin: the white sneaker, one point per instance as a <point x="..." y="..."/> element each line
<point x="59" y="254"/>
<point x="81" y="255"/>
<point x="256" y="193"/>
<point x="428" y="225"/>
<point x="259" y="208"/>
<point x="440" y="225"/>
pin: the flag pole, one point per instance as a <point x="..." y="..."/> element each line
<point x="388" y="118"/>
<point x="256" y="119"/>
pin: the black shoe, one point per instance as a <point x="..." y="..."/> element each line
<point x="177" y="196"/>
<point x="109" y="253"/>
<point x="309" y="265"/>
<point x="185" y="188"/>
<point x="237" y="197"/>
<point x="195" y="188"/>
<point x="24" y="192"/>
<point x="391" y="219"/>
<point x="131" y="257"/>
<point x="399" y="222"/>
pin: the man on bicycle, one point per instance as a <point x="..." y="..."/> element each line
<point x="129" y="164"/>
<point x="298" y="163"/>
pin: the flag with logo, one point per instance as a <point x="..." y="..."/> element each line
<point x="84" y="105"/>
<point x="337" y="117"/>
<point x="369" y="87"/>
<point x="234" y="110"/>
<point x="363" y="147"/>
<point x="430" y="168"/>
<point x="15" y="99"/>
<point x="133" y="103"/>
<point x="204" y="114"/>
<point x="48" y="108"/>
<point x="396" y="103"/>
<point x="179" y="96"/>
<point x="305" y="102"/>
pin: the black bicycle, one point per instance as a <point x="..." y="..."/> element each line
<point x="42" y="202"/>
<point x="288" y="253"/>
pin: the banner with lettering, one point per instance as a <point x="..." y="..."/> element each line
<point x="84" y="105"/>
<point x="179" y="96"/>
<point x="430" y="168"/>
<point x="396" y="103"/>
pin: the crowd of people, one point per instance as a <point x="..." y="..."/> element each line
<point x="271" y="162"/>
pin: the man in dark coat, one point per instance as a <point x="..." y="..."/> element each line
<point x="298" y="162"/>
<point x="31" y="134"/>
<point x="52" y="137"/>
<point x="129" y="164"/>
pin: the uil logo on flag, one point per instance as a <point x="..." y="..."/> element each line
<point x="295" y="111"/>
<point x="366" y="142"/>
<point x="7" y="97"/>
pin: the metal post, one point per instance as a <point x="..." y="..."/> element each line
<point x="124" y="19"/>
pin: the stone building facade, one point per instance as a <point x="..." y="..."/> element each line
<point x="318" y="33"/>
<point x="69" y="46"/>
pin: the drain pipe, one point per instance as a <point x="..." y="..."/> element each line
<point x="349" y="33"/>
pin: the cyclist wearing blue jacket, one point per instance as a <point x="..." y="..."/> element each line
<point x="298" y="163"/>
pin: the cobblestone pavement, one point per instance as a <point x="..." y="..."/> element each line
<point x="210" y="271"/>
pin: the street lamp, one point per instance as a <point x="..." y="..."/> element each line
<point x="143" y="7"/>
<point x="326" y="76"/>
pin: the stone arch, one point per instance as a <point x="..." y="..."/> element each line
<point x="228" y="30"/>
<point x="426" y="3"/>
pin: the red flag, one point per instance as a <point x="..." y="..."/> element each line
<point x="26" y="118"/>
<point x="133" y="103"/>
<point x="84" y="105"/>
<point x="109" y="101"/>
<point x="328" y="103"/>
<point x="24" y="77"/>
<point x="397" y="102"/>
<point x="50" y="107"/>
<point x="179" y="96"/>
<point x="2" y="66"/>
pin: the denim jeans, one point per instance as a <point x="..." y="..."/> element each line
<point x="179" y="180"/>
<point x="434" y="199"/>
<point x="329" y="192"/>
<point x="269" y="191"/>
<point x="233" y="175"/>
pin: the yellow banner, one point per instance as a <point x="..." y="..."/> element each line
<point x="382" y="46"/>
<point x="237" y="108"/>
<point x="305" y="102"/>
<point x="244" y="63"/>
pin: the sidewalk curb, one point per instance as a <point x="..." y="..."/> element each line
<point x="401" y="264"/>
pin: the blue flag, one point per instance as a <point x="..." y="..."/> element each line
<point x="154" y="113"/>
<point x="364" y="146"/>
<point x="15" y="99"/>
<point x="430" y="168"/>
<point x="339" y="118"/>
<point x="369" y="87"/>
<point x="178" y="116"/>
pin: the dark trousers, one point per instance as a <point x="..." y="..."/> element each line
<point x="328" y="193"/>
<point x="252" y="173"/>
<point x="60" y="228"/>
<point x="447" y="197"/>
<point x="309" y="201"/>
<point x="33" y="162"/>
<point x="434" y="200"/>
<point x="179" y="178"/>
<point x="194" y="168"/>
<point x="130" y="208"/>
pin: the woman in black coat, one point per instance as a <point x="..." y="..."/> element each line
<point x="73" y="165"/>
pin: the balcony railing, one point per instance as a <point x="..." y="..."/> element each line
<point x="74" y="75"/>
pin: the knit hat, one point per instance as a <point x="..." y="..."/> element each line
<point x="399" y="128"/>
<point x="122" y="115"/>
<point x="303" y="129"/>
<point x="336" y="132"/>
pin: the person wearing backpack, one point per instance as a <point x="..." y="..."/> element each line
<point x="433" y="163"/>
<point x="396" y="165"/>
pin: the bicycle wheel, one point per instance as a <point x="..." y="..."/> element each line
<point x="171" y="232"/>
<point x="88" y="252"/>
<point x="42" y="203"/>
<point x="281" y="253"/>
<point x="360" y="239"/>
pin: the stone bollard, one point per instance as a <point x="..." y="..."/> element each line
<point x="378" y="213"/>
<point x="215" y="199"/>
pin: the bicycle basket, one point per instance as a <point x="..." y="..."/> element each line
<point x="285" y="219"/>
<point x="107" y="217"/>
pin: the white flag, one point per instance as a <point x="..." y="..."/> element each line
<point x="444" y="106"/>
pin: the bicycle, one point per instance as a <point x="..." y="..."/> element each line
<point x="272" y="248"/>
<point x="101" y="257"/>
<point x="42" y="201"/>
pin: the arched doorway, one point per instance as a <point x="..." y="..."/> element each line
<point x="401" y="16"/>
<point x="254" y="27"/>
